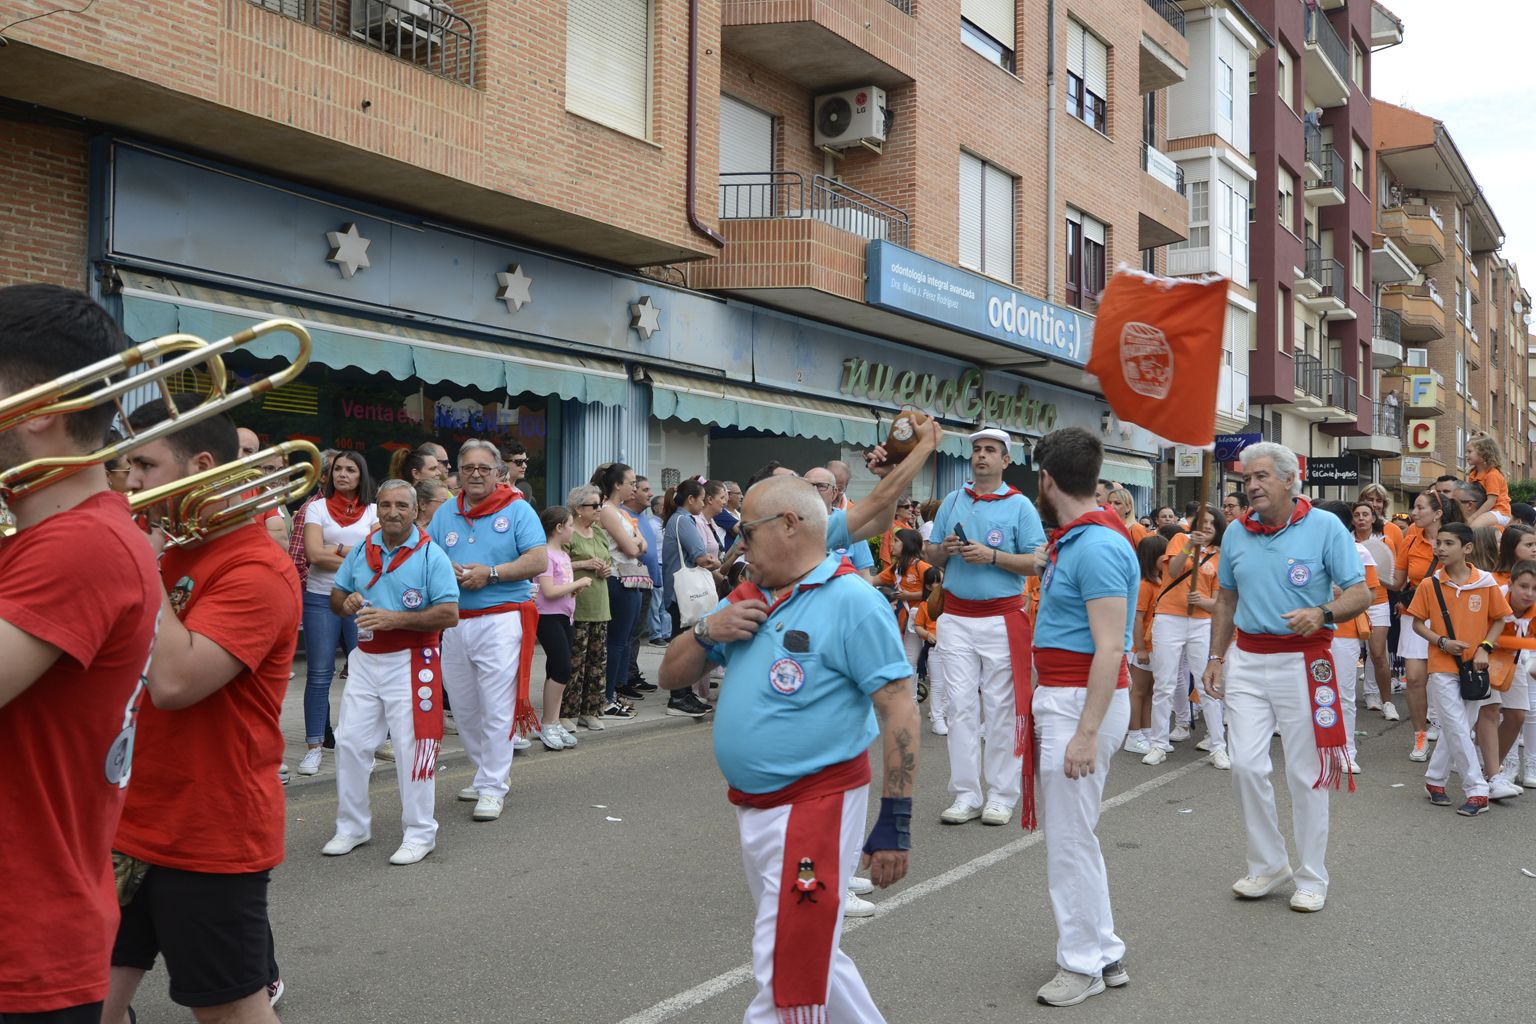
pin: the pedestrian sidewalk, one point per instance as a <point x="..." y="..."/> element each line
<point x="649" y="712"/>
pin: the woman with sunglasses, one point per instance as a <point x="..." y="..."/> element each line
<point x="582" y="703"/>
<point x="516" y="460"/>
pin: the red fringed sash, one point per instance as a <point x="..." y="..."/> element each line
<point x="1327" y="718"/>
<point x="426" y="686"/>
<point x="1020" y="634"/>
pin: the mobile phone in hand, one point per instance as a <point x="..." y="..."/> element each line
<point x="960" y="534"/>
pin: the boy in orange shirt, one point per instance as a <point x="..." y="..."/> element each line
<point x="1478" y="610"/>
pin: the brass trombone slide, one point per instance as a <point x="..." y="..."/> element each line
<point x="194" y="507"/>
<point x="175" y="352"/>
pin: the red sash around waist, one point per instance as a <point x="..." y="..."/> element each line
<point x="495" y="609"/>
<point x="835" y="778"/>
<point x="524" y="719"/>
<point x="387" y="641"/>
<point x="1321" y="674"/>
<point x="968" y="609"/>
<point x="1056" y="667"/>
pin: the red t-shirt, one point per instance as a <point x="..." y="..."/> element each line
<point x="205" y="793"/>
<point x="85" y="582"/>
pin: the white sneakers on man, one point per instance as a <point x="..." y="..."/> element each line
<point x="469" y="794"/>
<point x="860" y="886"/>
<point x="410" y="853"/>
<point x="342" y="844"/>
<point x="1178" y="734"/>
<point x="487" y="808"/>
<point x="853" y="906"/>
<point x="939" y="725"/>
<point x="1156" y="755"/>
<point x="311" y="763"/>
<point x="1500" y="788"/>
<point x="1220" y="759"/>
<point x="1307" y="902"/>
<point x="1255" y="887"/>
<point x="1069" y="988"/>
<point x="1135" y="744"/>
<point x="1389" y="712"/>
<point x="960" y="812"/>
<point x="996" y="814"/>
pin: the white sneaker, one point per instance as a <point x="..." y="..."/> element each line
<point x="386" y="752"/>
<point x="860" y="886"/>
<point x="340" y="844"/>
<point x="410" y="853"/>
<point x="1432" y="733"/>
<point x="311" y="763"/>
<point x="853" y="906"/>
<point x="1204" y="744"/>
<point x="1155" y="756"/>
<point x="566" y="736"/>
<point x="1179" y="734"/>
<point x="1253" y="887"/>
<point x="960" y="812"/>
<point x="487" y="808"/>
<point x="592" y="722"/>
<point x="1307" y="902"/>
<point x="1500" y="788"/>
<point x="1069" y="988"/>
<point x="1220" y="759"/>
<point x="1137" y="745"/>
<point x="550" y="736"/>
<point x="1372" y="701"/>
<point x="520" y="742"/>
<point x="1529" y="779"/>
<point x="1354" y="767"/>
<point x="469" y="794"/>
<point x="996" y="814"/>
<point x="1389" y="712"/>
<point x="939" y="725"/>
<point x="282" y="776"/>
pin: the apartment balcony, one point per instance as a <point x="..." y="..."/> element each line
<point x="1309" y="274"/>
<point x="1331" y="295"/>
<point x="1417" y="231"/>
<point x="1421" y="389"/>
<point x="1309" y="383"/>
<point x="1231" y="400"/>
<point x="1390" y="264"/>
<point x="825" y="44"/>
<point x="1326" y="62"/>
<point x="426" y="34"/>
<point x="1421" y="312"/>
<point x="1385" y="437"/>
<point x="1428" y="468"/>
<point x="1163" y="217"/>
<point x="1164" y="50"/>
<point x="1327" y="189"/>
<point x="1386" y="339"/>
<point x="1386" y="29"/>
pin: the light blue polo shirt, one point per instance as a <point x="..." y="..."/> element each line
<point x="858" y="554"/>
<point x="837" y="531"/>
<point x="1281" y="572"/>
<point x="1092" y="562"/>
<point x="424" y="580"/>
<point x="796" y="695"/>
<point x="1011" y="525"/>
<point x="489" y="540"/>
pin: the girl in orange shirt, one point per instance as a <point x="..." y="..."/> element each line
<point x="905" y="576"/>
<point x="1512" y="660"/>
<point x="927" y="629"/>
<point x="1149" y="552"/>
<point x="1484" y="467"/>
<point x="1518" y="544"/>
<point x="1369" y="534"/>
<point x="1181" y="638"/>
<point x="1415" y="562"/>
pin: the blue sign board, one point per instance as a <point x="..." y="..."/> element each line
<point x="904" y="282"/>
<point x="1229" y="446"/>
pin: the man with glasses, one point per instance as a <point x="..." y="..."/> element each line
<point x="1234" y="505"/>
<point x="858" y="552"/>
<point x="842" y="474"/>
<point x="1470" y="497"/>
<point x="517" y="469"/>
<point x="497" y="547"/>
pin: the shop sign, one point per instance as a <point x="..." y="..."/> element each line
<point x="1421" y="437"/>
<point x="1230" y="446"/>
<point x="1343" y="471"/>
<point x="1409" y="469"/>
<point x="1424" y="391"/>
<point x="1188" y="461"/>
<point x="963" y="397"/>
<point x="902" y="281"/>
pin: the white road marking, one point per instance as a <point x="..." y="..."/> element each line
<point x="683" y="1001"/>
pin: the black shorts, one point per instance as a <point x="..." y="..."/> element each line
<point x="89" y="1013"/>
<point x="211" y="929"/>
<point x="556" y="636"/>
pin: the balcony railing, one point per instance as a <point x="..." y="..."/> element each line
<point x="425" y="33"/>
<point x="1313" y="136"/>
<point x="1162" y="167"/>
<point x="1327" y="40"/>
<point x="1309" y="375"/>
<point x="1331" y="277"/>
<point x="1387" y="324"/>
<point x="1312" y="264"/>
<point x="1170" y="11"/>
<point x="1340" y="390"/>
<point x="784" y="195"/>
<point x="1332" y="163"/>
<point x="1387" y="419"/>
<point x="904" y="6"/>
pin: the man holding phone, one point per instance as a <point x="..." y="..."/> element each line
<point x="989" y="534"/>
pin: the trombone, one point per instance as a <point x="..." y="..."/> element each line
<point x="176" y="353"/>
<point x="192" y="508"/>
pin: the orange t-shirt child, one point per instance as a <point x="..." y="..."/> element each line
<point x="1146" y="609"/>
<point x="1474" y="606"/>
<point x="1492" y="481"/>
<point x="911" y="582"/>
<point x="1175" y="599"/>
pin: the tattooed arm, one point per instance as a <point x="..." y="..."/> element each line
<point x="899" y="721"/>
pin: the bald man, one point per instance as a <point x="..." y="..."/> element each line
<point x="858" y="553"/>
<point x="842" y="474"/>
<point x="274" y="519"/>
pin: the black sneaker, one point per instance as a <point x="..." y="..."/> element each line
<point x="686" y="706"/>
<point x="617" y="710"/>
<point x="657" y="641"/>
<point x="644" y="687"/>
<point x="632" y="692"/>
<point x="702" y="705"/>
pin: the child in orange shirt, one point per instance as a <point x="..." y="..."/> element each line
<point x="926" y="627"/>
<point x="1149" y="553"/>
<point x="1484" y="467"/>
<point x="1477" y="612"/>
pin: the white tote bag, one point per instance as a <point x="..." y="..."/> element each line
<point x="694" y="589"/>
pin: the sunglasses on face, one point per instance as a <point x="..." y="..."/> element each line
<point x="519" y="462"/>
<point x="591" y="504"/>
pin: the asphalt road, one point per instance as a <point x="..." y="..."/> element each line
<point x="611" y="891"/>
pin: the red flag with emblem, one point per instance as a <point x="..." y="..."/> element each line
<point x="1157" y="352"/>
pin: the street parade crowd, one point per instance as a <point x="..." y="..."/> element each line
<point x="1049" y="640"/>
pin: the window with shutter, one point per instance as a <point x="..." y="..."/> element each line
<point x="746" y="161"/>
<point x="994" y="17"/>
<point x="1085" y="259"/>
<point x="1087" y="76"/>
<point x="1074" y="259"/>
<point x="971" y="173"/>
<point x="608" y="63"/>
<point x="986" y="218"/>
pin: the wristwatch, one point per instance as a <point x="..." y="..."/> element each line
<point x="1327" y="614"/>
<point x="495" y="576"/>
<point x="1487" y="646"/>
<point x="701" y="633"/>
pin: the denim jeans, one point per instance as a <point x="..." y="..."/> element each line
<point x="323" y="629"/>
<point x="660" y="622"/>
<point x="624" y="606"/>
<point x="638" y="635"/>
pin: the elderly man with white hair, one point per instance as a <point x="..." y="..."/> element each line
<point x="1280" y="564"/>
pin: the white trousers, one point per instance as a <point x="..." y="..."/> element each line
<point x="1346" y="656"/>
<point x="1180" y="645"/>
<point x="1455" y="751"/>
<point x="1266" y="692"/>
<point x="762" y="855"/>
<point x="1069" y="813"/>
<point x="378" y="703"/>
<point x="480" y="657"/>
<point x="978" y="671"/>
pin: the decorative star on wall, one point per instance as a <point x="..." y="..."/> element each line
<point x="512" y="287"/>
<point x="349" y="249"/>
<point x="645" y="317"/>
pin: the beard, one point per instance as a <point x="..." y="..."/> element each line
<point x="12" y="453"/>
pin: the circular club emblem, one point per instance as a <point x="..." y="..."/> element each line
<point x="424" y="692"/>
<point x="901" y="430"/>
<point x="1325" y="717"/>
<point x="1322" y="672"/>
<point x="1325" y="697"/>
<point x="411" y="599"/>
<point x="1047" y="574"/>
<point x="426" y="653"/>
<point x="120" y="757"/>
<point x="425" y="705"/>
<point x="451" y="539"/>
<point x="501" y="524"/>
<point x="994" y="537"/>
<point x="786" y="676"/>
<point x="1299" y="574"/>
<point x="425" y="675"/>
<point x="1146" y="360"/>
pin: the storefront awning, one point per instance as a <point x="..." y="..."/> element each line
<point x="736" y="405"/>
<point x="154" y="306"/>
<point x="1127" y="469"/>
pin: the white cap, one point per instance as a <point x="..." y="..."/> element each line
<point x="991" y="434"/>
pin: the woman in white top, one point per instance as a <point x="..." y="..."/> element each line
<point x="334" y="523"/>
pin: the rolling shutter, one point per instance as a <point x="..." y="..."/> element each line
<point x="997" y="223"/>
<point x="746" y="160"/>
<point x="971" y="172"/>
<point x="608" y="62"/>
<point x="1075" y="57"/>
<point x="994" y="17"/>
<point x="1095" y="66"/>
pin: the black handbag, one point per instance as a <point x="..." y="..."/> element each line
<point x="1473" y="680"/>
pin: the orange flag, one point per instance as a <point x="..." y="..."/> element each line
<point x="1157" y="352"/>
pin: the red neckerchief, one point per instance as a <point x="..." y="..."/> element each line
<point x="1010" y="492"/>
<point x="747" y="590"/>
<point x="1251" y="523"/>
<point x="374" y="553"/>
<point x="494" y="502"/>
<point x="345" y="511"/>
<point x="1099" y="516"/>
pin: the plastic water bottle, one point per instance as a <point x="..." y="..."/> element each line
<point x="365" y="634"/>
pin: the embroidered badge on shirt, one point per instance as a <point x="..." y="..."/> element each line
<point x="1475" y="603"/>
<point x="1300" y="575"/>
<point x="1047" y="574"/>
<point x="786" y="676"/>
<point x="181" y="594"/>
<point x="501" y="524"/>
<point x="1325" y="717"/>
<point x="451" y="539"/>
<point x="994" y="537"/>
<point x="1322" y="672"/>
<point x="1324" y="696"/>
<point x="411" y="599"/>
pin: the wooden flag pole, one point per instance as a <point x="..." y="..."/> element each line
<point x="1206" y="465"/>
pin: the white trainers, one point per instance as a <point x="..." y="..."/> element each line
<point x="1221" y="759"/>
<point x="1372" y="701"/>
<point x="487" y="808"/>
<point x="996" y="814"/>
<point x="860" y="886"/>
<point x="1069" y="988"/>
<point x="520" y="742"/>
<point x="1529" y="779"/>
<point x="1254" y="887"/>
<point x="1137" y="745"/>
<point x="449" y="725"/>
<point x="342" y="844"/>
<point x="1204" y="744"/>
<point x="410" y="853"/>
<point x="1432" y="733"/>
<point x="566" y="736"/>
<point x="469" y="794"/>
<point x="1179" y="734"/>
<point x="1500" y="788"/>
<point x="1389" y="712"/>
<point x="550" y="736"/>
<point x="939" y="725"/>
<point x="311" y="763"/>
<point x="1307" y="902"/>
<point x="1156" y="755"/>
<point x="960" y="812"/>
<point x="1354" y="767"/>
<point x="853" y="906"/>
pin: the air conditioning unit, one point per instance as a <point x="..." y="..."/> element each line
<point x="854" y="117"/>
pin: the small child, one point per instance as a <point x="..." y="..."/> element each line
<point x="1509" y="709"/>
<point x="1149" y="554"/>
<point x="555" y="596"/>
<point x="927" y="629"/>
<point x="1485" y="461"/>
